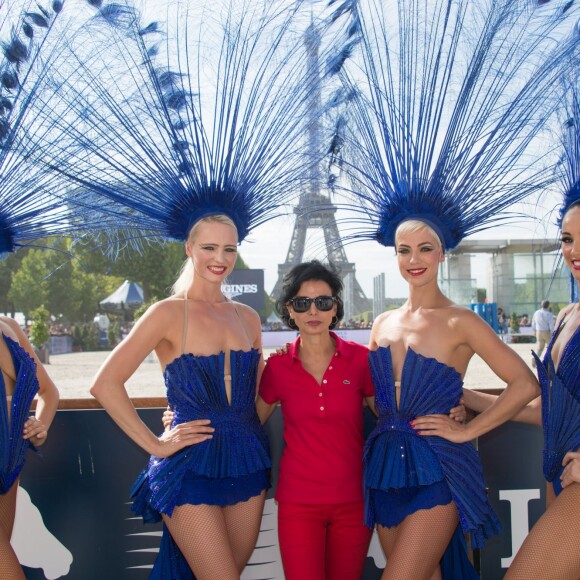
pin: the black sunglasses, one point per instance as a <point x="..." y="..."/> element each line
<point x="302" y="304"/>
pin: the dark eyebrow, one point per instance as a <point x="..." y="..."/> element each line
<point x="421" y="244"/>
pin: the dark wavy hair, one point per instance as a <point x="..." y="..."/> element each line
<point x="306" y="272"/>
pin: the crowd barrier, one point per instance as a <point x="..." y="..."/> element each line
<point x="74" y="520"/>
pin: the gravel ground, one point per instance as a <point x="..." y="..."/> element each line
<point x="72" y="374"/>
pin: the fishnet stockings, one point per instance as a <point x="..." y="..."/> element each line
<point x="9" y="567"/>
<point x="551" y="548"/>
<point x="414" y="547"/>
<point x="217" y="542"/>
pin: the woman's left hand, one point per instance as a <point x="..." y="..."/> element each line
<point x="571" y="472"/>
<point x="35" y="431"/>
<point x="441" y="426"/>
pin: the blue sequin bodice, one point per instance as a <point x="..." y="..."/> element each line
<point x="428" y="386"/>
<point x="196" y="390"/>
<point x="560" y="405"/>
<point x="239" y="445"/>
<point x="12" y="445"/>
<point x="397" y="457"/>
<point x="196" y="387"/>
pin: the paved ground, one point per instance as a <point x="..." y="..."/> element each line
<point x="73" y="373"/>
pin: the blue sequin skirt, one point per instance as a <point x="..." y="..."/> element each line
<point x="197" y="489"/>
<point x="399" y="459"/>
<point x="390" y="508"/>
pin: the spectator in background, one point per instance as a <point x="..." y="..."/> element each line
<point x="502" y="321"/>
<point x="543" y="326"/>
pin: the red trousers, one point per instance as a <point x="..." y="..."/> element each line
<point x="323" y="541"/>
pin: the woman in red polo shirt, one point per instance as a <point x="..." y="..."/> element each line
<point x="321" y="383"/>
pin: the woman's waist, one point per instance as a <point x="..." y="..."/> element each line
<point x="396" y="438"/>
<point x="390" y="422"/>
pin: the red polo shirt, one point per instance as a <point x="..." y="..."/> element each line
<point x="323" y="424"/>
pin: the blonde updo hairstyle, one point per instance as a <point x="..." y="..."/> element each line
<point x="185" y="277"/>
<point x="412" y="226"/>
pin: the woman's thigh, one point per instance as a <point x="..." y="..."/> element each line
<point x="243" y="522"/>
<point x="201" y="533"/>
<point x="551" y="548"/>
<point x="415" y="547"/>
<point x="9" y="565"/>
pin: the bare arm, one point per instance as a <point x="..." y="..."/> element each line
<point x="370" y="402"/>
<point x="264" y="409"/>
<point x="109" y="389"/>
<point x="479" y="402"/>
<point x="36" y="429"/>
<point x="521" y="386"/>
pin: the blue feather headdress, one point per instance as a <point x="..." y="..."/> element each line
<point x="163" y="128"/>
<point x="32" y="204"/>
<point x="27" y="210"/>
<point x="569" y="167"/>
<point x="447" y="100"/>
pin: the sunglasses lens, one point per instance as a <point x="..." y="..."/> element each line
<point x="324" y="303"/>
<point x="301" y="304"/>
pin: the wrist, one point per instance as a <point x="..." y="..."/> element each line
<point x="154" y="446"/>
<point x="468" y="433"/>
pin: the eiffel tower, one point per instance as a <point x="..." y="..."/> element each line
<point x="314" y="209"/>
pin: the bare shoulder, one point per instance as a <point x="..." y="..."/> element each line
<point x="9" y="326"/>
<point x="380" y="324"/>
<point x="165" y="309"/>
<point x="249" y="316"/>
<point x="466" y="325"/>
<point x="566" y="311"/>
<point x="383" y="318"/>
<point x="461" y="317"/>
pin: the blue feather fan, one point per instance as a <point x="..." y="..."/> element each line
<point x="160" y="128"/>
<point x="32" y="204"/>
<point x="569" y="167"/>
<point x="451" y="100"/>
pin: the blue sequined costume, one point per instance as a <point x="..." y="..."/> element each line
<point x="231" y="467"/>
<point x="560" y="405"/>
<point x="12" y="445"/>
<point x="406" y="472"/>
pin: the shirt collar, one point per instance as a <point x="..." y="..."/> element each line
<point x="341" y="346"/>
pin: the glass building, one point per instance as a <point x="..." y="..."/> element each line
<point x="521" y="273"/>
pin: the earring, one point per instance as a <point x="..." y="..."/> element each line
<point x="334" y="321"/>
<point x="292" y="324"/>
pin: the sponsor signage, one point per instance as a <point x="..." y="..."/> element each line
<point x="247" y="287"/>
<point x="74" y="520"/>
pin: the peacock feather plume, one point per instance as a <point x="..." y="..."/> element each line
<point x="161" y="125"/>
<point x="32" y="204"/>
<point x="569" y="166"/>
<point x="447" y="103"/>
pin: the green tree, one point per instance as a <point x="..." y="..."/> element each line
<point x="8" y="266"/>
<point x="514" y="323"/>
<point x="155" y="267"/>
<point x="28" y="289"/>
<point x="53" y="278"/>
<point x="39" y="330"/>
